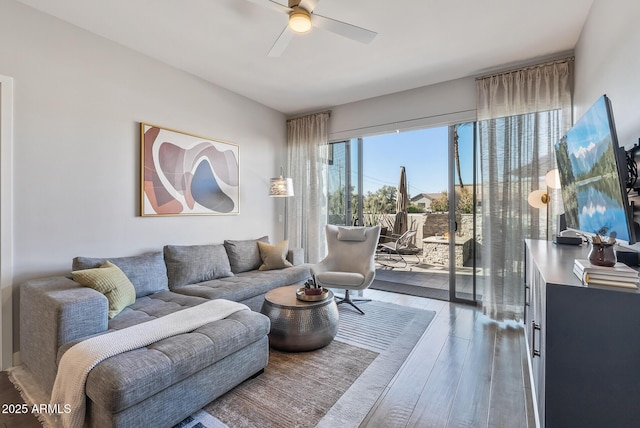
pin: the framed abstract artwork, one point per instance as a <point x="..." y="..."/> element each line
<point x="184" y="174"/>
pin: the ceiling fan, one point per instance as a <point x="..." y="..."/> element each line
<point x="302" y="18"/>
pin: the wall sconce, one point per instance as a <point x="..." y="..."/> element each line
<point x="541" y="198"/>
<point x="280" y="187"/>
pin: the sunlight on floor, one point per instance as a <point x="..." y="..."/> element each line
<point x="431" y="276"/>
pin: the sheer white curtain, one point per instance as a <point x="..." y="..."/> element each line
<point x="307" y="139"/>
<point x="521" y="115"/>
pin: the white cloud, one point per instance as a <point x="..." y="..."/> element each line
<point x="583" y="151"/>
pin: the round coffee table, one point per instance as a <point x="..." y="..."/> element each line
<point x="297" y="325"/>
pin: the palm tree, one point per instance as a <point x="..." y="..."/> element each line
<point x="456" y="153"/>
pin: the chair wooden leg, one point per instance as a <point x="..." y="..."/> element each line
<point x="347" y="299"/>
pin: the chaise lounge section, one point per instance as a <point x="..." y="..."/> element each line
<point x="160" y="384"/>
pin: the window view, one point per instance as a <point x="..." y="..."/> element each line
<point x="380" y="179"/>
<point x="424" y="155"/>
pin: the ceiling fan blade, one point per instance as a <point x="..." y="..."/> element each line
<point x="308" y="5"/>
<point x="342" y="28"/>
<point x="281" y="43"/>
<point x="272" y="5"/>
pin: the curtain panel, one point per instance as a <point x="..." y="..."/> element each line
<point x="308" y="148"/>
<point x="533" y="89"/>
<point x="521" y="114"/>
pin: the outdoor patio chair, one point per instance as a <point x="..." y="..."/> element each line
<point x="397" y="249"/>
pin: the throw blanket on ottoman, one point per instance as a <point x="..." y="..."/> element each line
<point x="77" y="362"/>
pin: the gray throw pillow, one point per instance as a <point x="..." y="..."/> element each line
<point x="191" y="264"/>
<point x="147" y="272"/>
<point x="244" y="255"/>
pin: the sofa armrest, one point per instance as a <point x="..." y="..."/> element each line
<point x="296" y="256"/>
<point x="54" y="311"/>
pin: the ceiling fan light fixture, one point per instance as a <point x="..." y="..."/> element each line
<point x="299" y="20"/>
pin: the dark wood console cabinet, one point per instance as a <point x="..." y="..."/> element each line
<point x="583" y="343"/>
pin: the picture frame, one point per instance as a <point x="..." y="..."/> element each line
<point x="186" y="174"/>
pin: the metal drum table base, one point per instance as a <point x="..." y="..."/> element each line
<point x="297" y="325"/>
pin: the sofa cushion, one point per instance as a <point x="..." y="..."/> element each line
<point x="146" y="272"/>
<point x="126" y="379"/>
<point x="274" y="256"/>
<point x="144" y="309"/>
<point x="246" y="285"/>
<point x="244" y="255"/>
<point x="109" y="280"/>
<point x="151" y="307"/>
<point x="190" y="264"/>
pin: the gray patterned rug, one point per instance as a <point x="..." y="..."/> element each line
<point x="333" y="386"/>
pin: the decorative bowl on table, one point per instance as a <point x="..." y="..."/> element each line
<point x="317" y="295"/>
<point x="313" y="291"/>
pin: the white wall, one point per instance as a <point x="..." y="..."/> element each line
<point x="78" y="103"/>
<point x="608" y="62"/>
<point x="435" y="105"/>
<point x="6" y="221"/>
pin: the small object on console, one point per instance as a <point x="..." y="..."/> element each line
<point x="568" y="240"/>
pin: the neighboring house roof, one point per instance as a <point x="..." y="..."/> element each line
<point x="432" y="196"/>
<point x="420" y="196"/>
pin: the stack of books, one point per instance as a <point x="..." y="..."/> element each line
<point x="619" y="275"/>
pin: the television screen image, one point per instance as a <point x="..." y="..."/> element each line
<point x="593" y="191"/>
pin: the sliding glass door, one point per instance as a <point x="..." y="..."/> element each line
<point x="364" y="186"/>
<point x="344" y="193"/>
<point x="464" y="218"/>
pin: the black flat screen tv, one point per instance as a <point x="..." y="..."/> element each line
<point x="593" y="174"/>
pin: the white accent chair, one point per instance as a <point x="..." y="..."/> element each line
<point x="349" y="263"/>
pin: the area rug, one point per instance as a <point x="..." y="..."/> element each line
<point x="24" y="381"/>
<point x="31" y="393"/>
<point x="201" y="419"/>
<point x="333" y="386"/>
<point x="417" y="290"/>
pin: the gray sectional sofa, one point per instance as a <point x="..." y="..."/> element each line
<point x="161" y="384"/>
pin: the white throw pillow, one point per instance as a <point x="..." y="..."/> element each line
<point x="351" y="233"/>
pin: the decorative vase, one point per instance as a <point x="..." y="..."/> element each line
<point x="602" y="254"/>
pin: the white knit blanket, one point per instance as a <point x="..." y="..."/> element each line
<point x="77" y="362"/>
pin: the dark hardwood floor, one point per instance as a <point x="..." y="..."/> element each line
<point x="466" y="371"/>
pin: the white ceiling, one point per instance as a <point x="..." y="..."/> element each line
<point x="419" y="42"/>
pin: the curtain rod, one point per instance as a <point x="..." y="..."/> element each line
<point x="362" y="131"/>
<point x="530" y="67"/>
<point x="310" y="114"/>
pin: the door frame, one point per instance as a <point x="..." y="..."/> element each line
<point x="6" y="222"/>
<point x="453" y="226"/>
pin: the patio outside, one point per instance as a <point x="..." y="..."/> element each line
<point x="364" y="190"/>
<point x="429" y="267"/>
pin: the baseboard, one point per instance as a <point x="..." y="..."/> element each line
<point x="17" y="361"/>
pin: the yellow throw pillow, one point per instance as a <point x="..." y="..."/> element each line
<point x="109" y="280"/>
<point x="274" y="256"/>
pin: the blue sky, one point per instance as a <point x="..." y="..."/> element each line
<point x="424" y="154"/>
